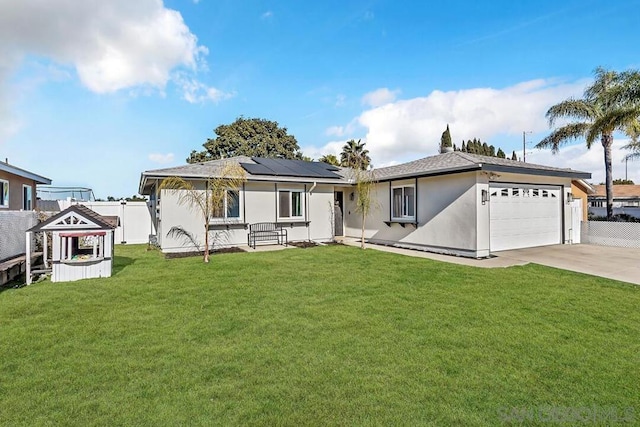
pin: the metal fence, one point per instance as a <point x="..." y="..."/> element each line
<point x="13" y="225"/>
<point x="621" y="234"/>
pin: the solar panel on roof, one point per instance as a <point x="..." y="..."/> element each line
<point x="288" y="167"/>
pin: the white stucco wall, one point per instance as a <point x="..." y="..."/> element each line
<point x="258" y="203"/>
<point x="446" y="215"/>
<point x="450" y="214"/>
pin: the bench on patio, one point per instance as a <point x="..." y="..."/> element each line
<point x="266" y="231"/>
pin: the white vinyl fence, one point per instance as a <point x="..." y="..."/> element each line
<point x="135" y="220"/>
<point x="13" y="225"/>
<point x="621" y="234"/>
<point x="134" y="217"/>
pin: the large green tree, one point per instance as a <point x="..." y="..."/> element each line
<point x="354" y="155"/>
<point x="248" y="137"/>
<point x="607" y="106"/>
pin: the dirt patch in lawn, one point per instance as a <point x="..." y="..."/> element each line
<point x="303" y="244"/>
<point x="231" y="250"/>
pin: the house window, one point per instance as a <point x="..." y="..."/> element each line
<point x="27" y="198"/>
<point x="4" y="193"/>
<point x="230" y="208"/>
<point x="290" y="204"/>
<point x="404" y="202"/>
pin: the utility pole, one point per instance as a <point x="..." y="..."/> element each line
<point x="626" y="160"/>
<point x="524" y="145"/>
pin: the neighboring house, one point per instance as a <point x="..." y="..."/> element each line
<point x="581" y="191"/>
<point x="626" y="200"/>
<point x="454" y="203"/>
<point x="18" y="188"/>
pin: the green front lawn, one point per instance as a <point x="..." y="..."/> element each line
<point x="324" y="336"/>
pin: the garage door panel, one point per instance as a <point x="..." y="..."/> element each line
<point x="524" y="216"/>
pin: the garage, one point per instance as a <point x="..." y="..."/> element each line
<point x="523" y="216"/>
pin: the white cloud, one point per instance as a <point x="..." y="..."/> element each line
<point x="408" y="129"/>
<point x="380" y="97"/>
<point x="335" y="131"/>
<point x="194" y="91"/>
<point x="268" y="14"/>
<point x="333" y="147"/>
<point x="161" y="158"/>
<point x="340" y="100"/>
<point x="342" y="131"/>
<point x="580" y="158"/>
<point x="112" y="44"/>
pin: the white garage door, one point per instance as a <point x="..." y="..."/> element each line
<point x="523" y="216"/>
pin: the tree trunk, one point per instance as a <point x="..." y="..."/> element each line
<point x="206" y="242"/>
<point x="607" y="142"/>
<point x="364" y="217"/>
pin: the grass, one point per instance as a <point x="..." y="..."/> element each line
<point x="326" y="336"/>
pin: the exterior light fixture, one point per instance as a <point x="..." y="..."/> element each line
<point x="485" y="196"/>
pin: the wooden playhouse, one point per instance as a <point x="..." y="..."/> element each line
<point x="81" y="246"/>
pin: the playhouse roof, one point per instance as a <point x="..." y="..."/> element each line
<point x="77" y="217"/>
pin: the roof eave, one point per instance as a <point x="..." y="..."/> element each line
<point x="537" y="172"/>
<point x="24" y="173"/>
<point x="422" y="174"/>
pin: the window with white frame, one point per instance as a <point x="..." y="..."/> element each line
<point x="27" y="198"/>
<point x="230" y="208"/>
<point x="4" y="193"/>
<point x="403" y="203"/>
<point x="290" y="204"/>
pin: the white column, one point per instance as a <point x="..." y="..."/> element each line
<point x="45" y="249"/>
<point x="95" y="246"/>
<point x="69" y="247"/>
<point x="28" y="257"/>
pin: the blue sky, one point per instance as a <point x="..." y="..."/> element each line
<point x="92" y="93"/>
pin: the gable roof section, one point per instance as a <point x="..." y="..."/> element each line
<point x="456" y="162"/>
<point x="77" y="217"/>
<point x="6" y="167"/>
<point x="619" y="191"/>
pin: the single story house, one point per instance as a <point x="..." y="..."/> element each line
<point x="18" y="188"/>
<point x="626" y="200"/>
<point x="454" y="203"/>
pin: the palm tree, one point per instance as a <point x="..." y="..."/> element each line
<point x="207" y="200"/>
<point x="354" y="155"/>
<point x="330" y="159"/>
<point x="607" y="106"/>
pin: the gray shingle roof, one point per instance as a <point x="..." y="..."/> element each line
<point x="434" y="165"/>
<point x="213" y="169"/>
<point x="458" y="161"/>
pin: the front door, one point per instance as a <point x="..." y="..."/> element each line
<point x="337" y="213"/>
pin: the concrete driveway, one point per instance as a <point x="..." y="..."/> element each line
<point x="605" y="261"/>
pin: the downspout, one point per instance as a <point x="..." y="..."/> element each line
<point x="309" y="210"/>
